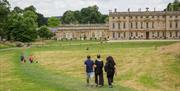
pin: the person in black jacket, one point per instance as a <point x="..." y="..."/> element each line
<point x="99" y="80"/>
<point x="110" y="69"/>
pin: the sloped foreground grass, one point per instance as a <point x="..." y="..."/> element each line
<point x="140" y="66"/>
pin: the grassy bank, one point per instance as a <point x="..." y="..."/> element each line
<point x="141" y="66"/>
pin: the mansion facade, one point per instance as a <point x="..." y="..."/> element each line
<point x="126" y="26"/>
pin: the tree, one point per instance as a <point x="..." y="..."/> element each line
<point x="69" y="17"/>
<point x="30" y="14"/>
<point x="22" y="27"/>
<point x="45" y="33"/>
<point x="30" y="8"/>
<point x="17" y="10"/>
<point x="53" y="22"/>
<point x="4" y="11"/>
<point x="175" y="6"/>
<point x="90" y="15"/>
<point x="86" y="15"/>
<point x="41" y="20"/>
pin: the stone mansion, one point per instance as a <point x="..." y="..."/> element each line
<point x="126" y="26"/>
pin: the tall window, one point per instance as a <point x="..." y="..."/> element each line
<point x="176" y="24"/>
<point x="170" y="34"/>
<point x="176" y="34"/>
<point x="119" y="35"/>
<point x="113" y="34"/>
<point x="131" y="25"/>
<point x="124" y="25"/>
<point x="141" y="25"/>
<point x="170" y="25"/>
<point x="158" y="34"/>
<point x="152" y="24"/>
<point x="119" y="25"/>
<point x="113" y="25"/>
<point x="136" y="33"/>
<point x="147" y="25"/>
<point x="136" y="25"/>
<point x="131" y="17"/>
<point x="131" y="34"/>
<point x="124" y="34"/>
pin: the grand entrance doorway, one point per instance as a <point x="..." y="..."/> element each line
<point x="147" y="35"/>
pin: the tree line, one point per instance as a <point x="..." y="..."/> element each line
<point x="24" y="25"/>
<point x="87" y="15"/>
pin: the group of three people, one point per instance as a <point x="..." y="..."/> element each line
<point x="96" y="67"/>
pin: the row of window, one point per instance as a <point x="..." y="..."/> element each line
<point x="119" y="34"/>
<point x="171" y="25"/>
<point x="153" y="34"/>
<point x="132" y="25"/>
<point x="131" y="17"/>
<point x="164" y="34"/>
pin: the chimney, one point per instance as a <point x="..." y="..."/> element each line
<point x="154" y="9"/>
<point x="147" y="9"/>
<point x="128" y="9"/>
<point x="115" y="10"/>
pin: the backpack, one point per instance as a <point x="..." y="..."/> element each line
<point x="109" y="68"/>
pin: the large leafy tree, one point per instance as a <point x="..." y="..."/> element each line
<point x="53" y="22"/>
<point x="86" y="15"/>
<point x="4" y="11"/>
<point x="44" y="32"/>
<point x="22" y="27"/>
<point x="69" y="17"/>
<point x="90" y="15"/>
<point x="41" y="20"/>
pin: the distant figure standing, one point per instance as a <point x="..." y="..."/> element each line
<point x="31" y="58"/>
<point x="99" y="80"/>
<point x="22" y="58"/>
<point x="110" y="68"/>
<point x="88" y="65"/>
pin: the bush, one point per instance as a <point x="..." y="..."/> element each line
<point x="19" y="44"/>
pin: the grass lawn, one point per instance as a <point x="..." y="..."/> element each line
<point x="141" y="67"/>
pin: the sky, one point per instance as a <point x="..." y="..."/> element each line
<point x="57" y="7"/>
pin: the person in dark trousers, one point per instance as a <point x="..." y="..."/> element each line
<point x="110" y="69"/>
<point x="99" y="80"/>
<point x="22" y="57"/>
<point x="89" y="67"/>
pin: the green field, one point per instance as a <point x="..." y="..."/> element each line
<point x="142" y="66"/>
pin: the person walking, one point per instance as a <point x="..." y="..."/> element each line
<point x="99" y="80"/>
<point x="22" y="58"/>
<point x="110" y="69"/>
<point x="89" y="67"/>
<point x="31" y="58"/>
